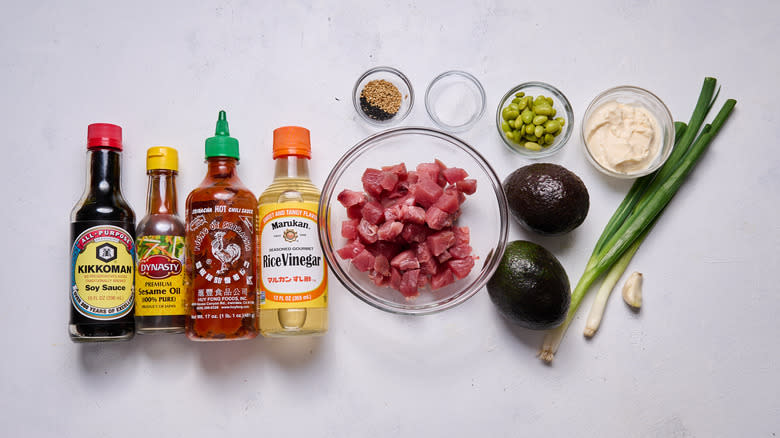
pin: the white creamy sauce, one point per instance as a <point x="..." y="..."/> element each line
<point x="623" y="138"/>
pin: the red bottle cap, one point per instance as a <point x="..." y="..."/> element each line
<point x="104" y="135"/>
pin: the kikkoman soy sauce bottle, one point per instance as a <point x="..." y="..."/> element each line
<point x="293" y="274"/>
<point x="103" y="252"/>
<point x="220" y="261"/>
<point x="160" y="294"/>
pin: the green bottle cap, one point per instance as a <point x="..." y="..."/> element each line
<point x="222" y="144"/>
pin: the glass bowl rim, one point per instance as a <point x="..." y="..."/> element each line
<point x="474" y="117"/>
<point x="393" y="120"/>
<point x="493" y="257"/>
<point x="567" y="109"/>
<point x="667" y="122"/>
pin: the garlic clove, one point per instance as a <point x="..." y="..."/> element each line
<point x="632" y="290"/>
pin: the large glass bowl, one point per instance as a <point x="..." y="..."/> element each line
<point x="484" y="212"/>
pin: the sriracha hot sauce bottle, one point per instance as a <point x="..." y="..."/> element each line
<point x="220" y="242"/>
<point x="160" y="298"/>
<point x="102" y="229"/>
<point x="293" y="274"/>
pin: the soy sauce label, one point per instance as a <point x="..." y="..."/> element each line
<point x="103" y="271"/>
<point x="159" y="281"/>
<point x="292" y="269"/>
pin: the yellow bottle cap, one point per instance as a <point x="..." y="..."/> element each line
<point x="162" y="157"/>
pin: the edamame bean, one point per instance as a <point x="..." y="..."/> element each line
<point x="539" y="131"/>
<point x="543" y="110"/>
<point x="522" y="104"/>
<point x="538" y="120"/>
<point x="532" y="146"/>
<point x="529" y="129"/>
<point x="505" y="113"/>
<point x="510" y="124"/>
<point x="505" y="126"/>
<point x="561" y="120"/>
<point x="528" y="116"/>
<point x="549" y="138"/>
<point x="513" y="106"/>
<point x="552" y="126"/>
<point x="520" y="94"/>
<point x="516" y="100"/>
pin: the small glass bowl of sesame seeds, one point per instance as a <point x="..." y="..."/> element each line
<point x="383" y="96"/>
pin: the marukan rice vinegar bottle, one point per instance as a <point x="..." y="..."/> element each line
<point x="293" y="280"/>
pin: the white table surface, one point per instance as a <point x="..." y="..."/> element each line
<point x="700" y="360"/>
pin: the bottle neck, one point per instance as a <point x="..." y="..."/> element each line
<point x="161" y="197"/>
<point x="103" y="175"/>
<point x="222" y="167"/>
<point x="291" y="166"/>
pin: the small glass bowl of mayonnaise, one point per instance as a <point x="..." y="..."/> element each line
<point x="627" y="132"/>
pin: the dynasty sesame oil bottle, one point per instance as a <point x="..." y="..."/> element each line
<point x="293" y="275"/>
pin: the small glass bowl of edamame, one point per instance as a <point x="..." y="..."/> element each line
<point x="534" y="119"/>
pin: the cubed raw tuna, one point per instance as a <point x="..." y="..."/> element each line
<point x="427" y="263"/>
<point x="413" y="214"/>
<point x="372" y="182"/>
<point x="400" y="230"/>
<point x="388" y="181"/>
<point x="373" y="212"/>
<point x="390" y="230"/>
<point x="393" y="213"/>
<point x="461" y="267"/>
<point x="414" y="233"/>
<point x="453" y="190"/>
<point x="355" y="212"/>
<point x="443" y="278"/>
<point x="398" y="169"/>
<point x="405" y="260"/>
<point x="443" y="257"/>
<point x="437" y="218"/>
<point x="448" y="202"/>
<point x="350" y="250"/>
<point x="461" y="251"/>
<point x="426" y="192"/>
<point x="429" y="171"/>
<point x="422" y="280"/>
<point x="462" y="235"/>
<point x="349" y="229"/>
<point x="387" y="249"/>
<point x="367" y="231"/>
<point x="382" y="265"/>
<point x="467" y="186"/>
<point x="395" y="278"/>
<point x="440" y="242"/>
<point x="348" y="198"/>
<point x="363" y="261"/>
<point x="408" y="285"/>
<point x="379" y="279"/>
<point x="454" y="174"/>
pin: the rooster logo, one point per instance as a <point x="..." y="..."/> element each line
<point x="225" y="254"/>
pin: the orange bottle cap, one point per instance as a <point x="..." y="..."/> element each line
<point x="292" y="140"/>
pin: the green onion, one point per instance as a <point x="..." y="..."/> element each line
<point x="643" y="204"/>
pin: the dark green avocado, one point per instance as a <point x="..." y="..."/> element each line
<point x="530" y="287"/>
<point x="547" y="198"/>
